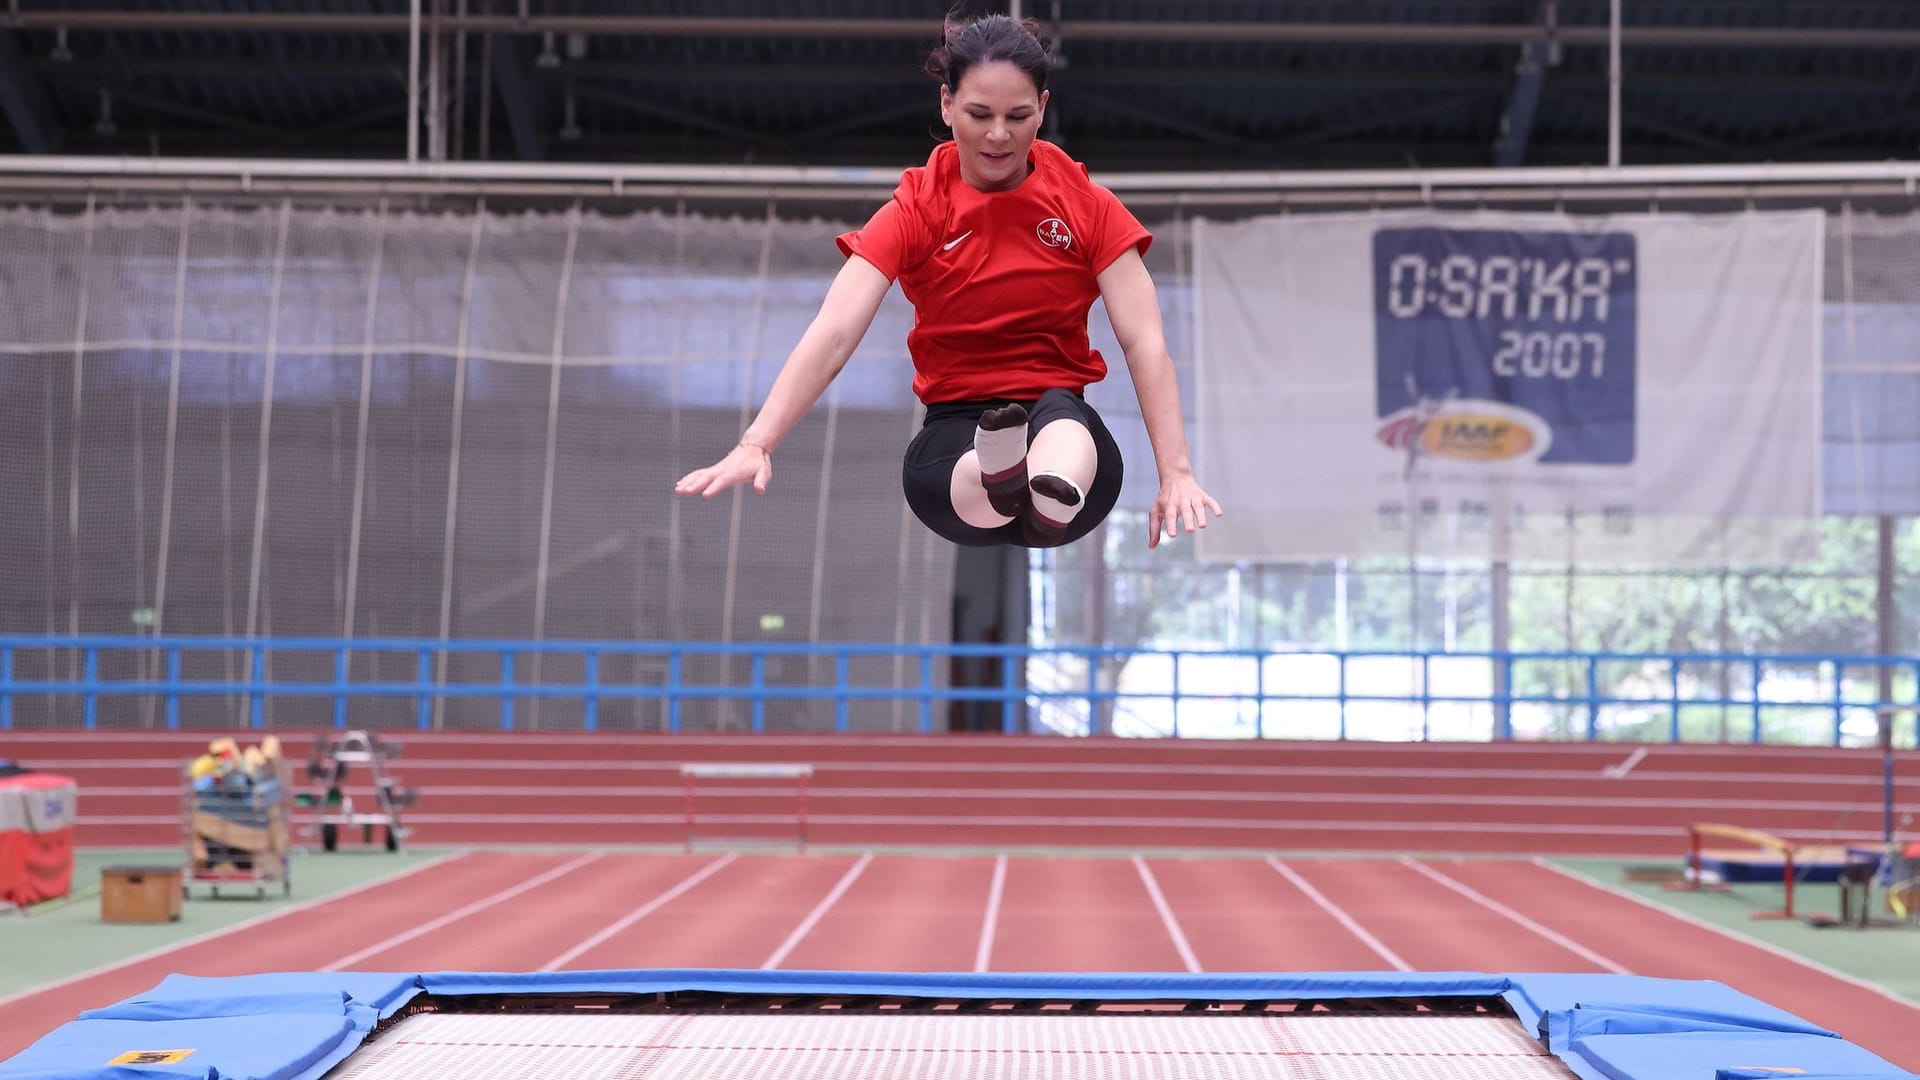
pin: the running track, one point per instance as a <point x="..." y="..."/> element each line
<point x="519" y="911"/>
<point x="1510" y="798"/>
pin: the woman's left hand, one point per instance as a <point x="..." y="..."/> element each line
<point x="1181" y="503"/>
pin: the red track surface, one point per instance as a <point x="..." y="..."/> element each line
<point x="519" y="911"/>
<point x="991" y="790"/>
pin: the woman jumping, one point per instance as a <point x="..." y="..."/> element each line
<point x="1000" y="242"/>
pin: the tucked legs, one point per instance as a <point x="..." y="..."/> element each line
<point x="1037" y="474"/>
<point x="1063" y="460"/>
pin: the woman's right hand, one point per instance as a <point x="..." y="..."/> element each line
<point x="742" y="464"/>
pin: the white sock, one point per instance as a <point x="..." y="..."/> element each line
<point x="1000" y="450"/>
<point x="1054" y="510"/>
<point x="1000" y="445"/>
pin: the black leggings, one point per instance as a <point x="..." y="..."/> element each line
<point x="927" y="473"/>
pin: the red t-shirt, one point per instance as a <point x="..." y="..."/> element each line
<point x="1000" y="281"/>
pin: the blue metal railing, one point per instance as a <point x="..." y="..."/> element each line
<point x="1661" y="681"/>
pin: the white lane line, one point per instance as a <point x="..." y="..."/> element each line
<point x="1166" y="915"/>
<point x="1501" y="909"/>
<point x="1734" y="935"/>
<point x="637" y="914"/>
<point x="198" y="939"/>
<point x="1658" y="837"/>
<point x="451" y="917"/>
<point x="1339" y="915"/>
<point x="819" y="911"/>
<point x="1615" y="772"/>
<point x="991" y="922"/>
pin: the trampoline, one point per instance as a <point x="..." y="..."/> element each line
<point x="846" y="1025"/>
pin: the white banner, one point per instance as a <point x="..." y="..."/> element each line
<point x="1629" y="389"/>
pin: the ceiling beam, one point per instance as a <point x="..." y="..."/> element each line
<point x="1904" y="112"/>
<point x="687" y="69"/>
<point x="1393" y="114"/>
<point x="646" y="106"/>
<point x="24" y="101"/>
<point x="1161" y="119"/>
<point x="1796" y="38"/>
<point x="376" y="114"/>
<point x="123" y="92"/>
<point x="521" y="99"/>
<point x="1640" y="119"/>
<point x="868" y="119"/>
<point x="1523" y="98"/>
<point x="1110" y="158"/>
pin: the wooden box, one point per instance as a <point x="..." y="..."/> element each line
<point x="140" y="894"/>
<point x="255" y="838"/>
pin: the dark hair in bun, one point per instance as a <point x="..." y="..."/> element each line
<point x="988" y="39"/>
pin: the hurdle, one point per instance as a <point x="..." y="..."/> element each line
<point x="1753" y="837"/>
<point x="694" y="771"/>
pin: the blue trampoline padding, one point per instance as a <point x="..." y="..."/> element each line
<point x="274" y="1027"/>
<point x="1558" y="1007"/>
<point x="195" y="997"/>
<point x="1117" y="986"/>
<point x="1626" y="1027"/>
<point x="1723" y="1055"/>
<point x="268" y="1046"/>
<point x="297" y="1026"/>
<point x="1734" y="869"/>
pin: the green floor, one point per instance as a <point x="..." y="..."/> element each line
<point x="62" y="939"/>
<point x="1886" y="956"/>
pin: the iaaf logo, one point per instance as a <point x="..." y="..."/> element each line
<point x="1053" y="233"/>
<point x="1466" y="430"/>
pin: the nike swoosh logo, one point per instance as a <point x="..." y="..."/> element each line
<point x="951" y="244"/>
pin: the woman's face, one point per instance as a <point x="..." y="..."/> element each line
<point x="994" y="115"/>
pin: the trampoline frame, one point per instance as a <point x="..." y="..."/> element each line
<point x="299" y="1026"/>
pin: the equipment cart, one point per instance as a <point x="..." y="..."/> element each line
<point x="332" y="754"/>
<point x="236" y="825"/>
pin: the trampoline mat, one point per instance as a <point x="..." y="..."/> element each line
<point x="1140" y="1045"/>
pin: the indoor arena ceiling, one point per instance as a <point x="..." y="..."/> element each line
<point x="1141" y="84"/>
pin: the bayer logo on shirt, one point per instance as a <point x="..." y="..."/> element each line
<point x="1053" y="233"/>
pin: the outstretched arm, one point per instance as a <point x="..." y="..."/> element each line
<point x="1133" y="307"/>
<point x="822" y="351"/>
